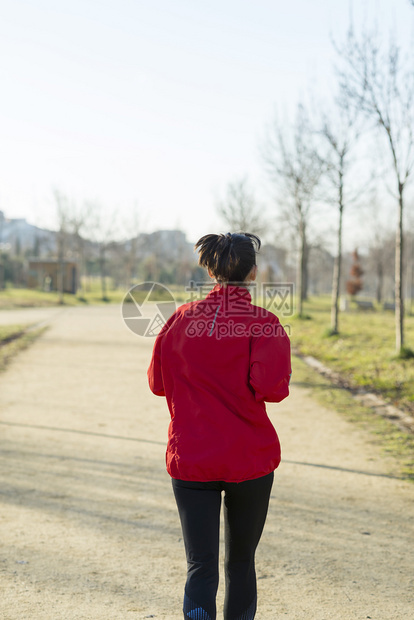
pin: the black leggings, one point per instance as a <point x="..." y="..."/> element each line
<point x="245" y="510"/>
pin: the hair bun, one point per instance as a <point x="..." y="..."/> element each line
<point x="230" y="257"/>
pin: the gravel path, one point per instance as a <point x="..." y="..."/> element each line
<point x="88" y="525"/>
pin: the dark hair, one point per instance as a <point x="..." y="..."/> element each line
<point x="229" y="257"/>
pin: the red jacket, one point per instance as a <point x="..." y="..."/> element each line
<point x="217" y="361"/>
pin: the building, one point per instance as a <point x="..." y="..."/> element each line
<point x="43" y="274"/>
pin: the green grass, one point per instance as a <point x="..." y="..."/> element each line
<point x="363" y="352"/>
<point x="13" y="339"/>
<point x="391" y="441"/>
<point x="9" y="331"/>
<point x="11" y="298"/>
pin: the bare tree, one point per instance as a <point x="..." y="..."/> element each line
<point x="410" y="261"/>
<point x="240" y="209"/>
<point x="380" y="258"/>
<point x="79" y="221"/>
<point x="62" y="213"/>
<point x="340" y="134"/>
<point x="102" y="230"/>
<point x="133" y="226"/>
<point x="381" y="85"/>
<point x="292" y="164"/>
<point x="381" y="246"/>
<point x="73" y="222"/>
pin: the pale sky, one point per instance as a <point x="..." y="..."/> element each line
<point x="159" y="103"/>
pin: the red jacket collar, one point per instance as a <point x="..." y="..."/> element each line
<point x="231" y="293"/>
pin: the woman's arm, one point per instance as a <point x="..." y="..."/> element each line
<point x="154" y="372"/>
<point x="270" y="364"/>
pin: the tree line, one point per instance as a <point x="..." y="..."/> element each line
<point x="317" y="163"/>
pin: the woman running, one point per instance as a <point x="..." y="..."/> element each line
<point x="217" y="361"/>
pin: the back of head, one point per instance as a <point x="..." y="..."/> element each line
<point x="230" y="257"/>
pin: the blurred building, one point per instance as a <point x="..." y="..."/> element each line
<point x="44" y="274"/>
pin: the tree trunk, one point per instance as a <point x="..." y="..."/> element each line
<point x="80" y="266"/>
<point x="399" y="301"/>
<point x="102" y="265"/>
<point x="61" y="266"/>
<point x="301" y="268"/>
<point x="305" y="279"/>
<point x="410" y="280"/>
<point x="336" y="280"/>
<point x="380" y="280"/>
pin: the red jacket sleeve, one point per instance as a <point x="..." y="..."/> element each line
<point x="270" y="365"/>
<point x="154" y="372"/>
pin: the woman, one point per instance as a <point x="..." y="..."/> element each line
<point x="217" y="361"/>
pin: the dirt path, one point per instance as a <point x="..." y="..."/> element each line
<point x="88" y="525"/>
<point x="29" y="315"/>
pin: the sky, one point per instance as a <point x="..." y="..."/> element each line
<point x="155" y="106"/>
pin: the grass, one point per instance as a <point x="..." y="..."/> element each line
<point x="391" y="440"/>
<point x="13" y="339"/>
<point x="12" y="298"/>
<point x="363" y="352"/>
<point x="9" y="331"/>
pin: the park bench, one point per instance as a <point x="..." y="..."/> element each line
<point x="388" y="305"/>
<point x="364" y="305"/>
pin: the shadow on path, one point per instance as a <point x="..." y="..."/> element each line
<point x="344" y="469"/>
<point x="72" y="430"/>
<point x="161" y="443"/>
